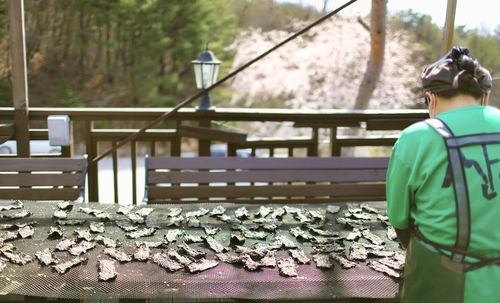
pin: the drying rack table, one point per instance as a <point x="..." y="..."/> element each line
<point x="144" y="280"/>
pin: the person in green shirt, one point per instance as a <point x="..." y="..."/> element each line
<point x="443" y="186"/>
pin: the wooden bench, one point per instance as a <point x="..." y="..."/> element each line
<point x="43" y="178"/>
<point x="252" y="180"/>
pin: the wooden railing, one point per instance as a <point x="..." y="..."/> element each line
<point x="95" y="130"/>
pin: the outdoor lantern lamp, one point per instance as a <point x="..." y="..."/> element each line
<point x="206" y="69"/>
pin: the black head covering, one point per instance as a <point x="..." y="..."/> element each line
<point x="457" y="70"/>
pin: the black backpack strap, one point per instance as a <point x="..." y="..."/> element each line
<point x="459" y="186"/>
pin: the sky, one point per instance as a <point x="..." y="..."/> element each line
<point x="480" y="14"/>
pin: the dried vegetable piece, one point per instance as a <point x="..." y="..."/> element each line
<point x="88" y="210"/>
<point x="241" y="213"/>
<point x="357" y="251"/>
<point x="299" y="234"/>
<point x="286" y="266"/>
<point x="299" y="255"/>
<point x="117" y="254"/>
<point x="107" y="270"/>
<point x="142" y="253"/>
<point x="135" y="218"/>
<point x="191" y="251"/>
<point x="227" y="258"/>
<point x="345" y="263"/>
<point x="327" y="248"/>
<point x="125" y="209"/>
<point x="145" y="232"/>
<point x="193" y="222"/>
<point x="97" y="227"/>
<point x="229" y="220"/>
<point x="19" y="258"/>
<point x="391" y="233"/>
<point x="64" y="266"/>
<point x="65" y="244"/>
<point x="381" y="253"/>
<point x="126" y="225"/>
<point x="152" y="244"/>
<point x="70" y="222"/>
<point x="26" y="232"/>
<point x="325" y="233"/>
<point x="174" y="212"/>
<point x="46" y="257"/>
<point x="194" y="239"/>
<point x="264" y="211"/>
<point x="81" y="248"/>
<point x="66" y="205"/>
<point x="333" y="209"/>
<point x="83" y="235"/>
<point x="269" y="259"/>
<point x="278" y="213"/>
<point x="218" y="210"/>
<point x="172" y="253"/>
<point x="164" y="261"/>
<point x="302" y="217"/>
<point x="353" y="208"/>
<point x="327" y="240"/>
<point x="237" y="239"/>
<point x="255" y="251"/>
<point x="145" y="211"/>
<point x="9" y="235"/>
<point x="104" y="215"/>
<point x="284" y="241"/>
<point x="272" y="227"/>
<point x="18" y="215"/>
<point x="375" y="265"/>
<point x="174" y="221"/>
<point x="260" y="235"/>
<point x="3" y="264"/>
<point x="197" y="213"/>
<point x="359" y="216"/>
<point x="369" y="208"/>
<point x="173" y="234"/>
<point x="216" y="246"/>
<point x="18" y="204"/>
<point x="60" y="214"/>
<point x="372" y="237"/>
<point x="108" y="242"/>
<point x="392" y="263"/>
<point x="201" y="265"/>
<point x="322" y="261"/>
<point x="354" y="235"/>
<point x="249" y="263"/>
<point x="209" y="229"/>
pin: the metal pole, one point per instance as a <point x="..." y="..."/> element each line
<point x="449" y="27"/>
<point x="19" y="77"/>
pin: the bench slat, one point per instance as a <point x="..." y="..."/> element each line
<point x="40" y="194"/>
<point x="338" y="190"/>
<point x="268" y="176"/>
<point x="267" y="163"/>
<point x="36" y="164"/>
<point x="42" y="179"/>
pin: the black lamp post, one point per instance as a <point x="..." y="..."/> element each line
<point x="206" y="69"/>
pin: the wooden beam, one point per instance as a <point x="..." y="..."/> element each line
<point x="19" y="75"/>
<point x="6" y="132"/>
<point x="211" y="134"/>
<point x="449" y="27"/>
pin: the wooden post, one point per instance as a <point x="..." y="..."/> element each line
<point x="449" y="27"/>
<point x="19" y="75"/>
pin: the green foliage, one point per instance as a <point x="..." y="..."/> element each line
<point x="6" y="99"/>
<point x="65" y="96"/>
<point x="271" y="15"/>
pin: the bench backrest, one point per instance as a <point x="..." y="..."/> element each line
<point x="249" y="180"/>
<point x="43" y="178"/>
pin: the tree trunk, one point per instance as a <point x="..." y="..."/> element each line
<point x="372" y="74"/>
